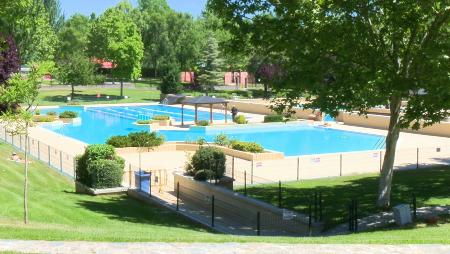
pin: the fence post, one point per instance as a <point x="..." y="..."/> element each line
<point x="417" y="163"/>
<point x="258" y="223"/>
<point x="39" y="150"/>
<point x="212" y="211"/>
<point x="150" y="184"/>
<point x="310" y="218"/>
<point x="414" y="204"/>
<point x="315" y="206"/>
<point x="129" y="175"/>
<point x="381" y="160"/>
<point x="245" y="183"/>
<point x="356" y="216"/>
<point x="279" y="194"/>
<point x="320" y="206"/>
<point x="178" y="195"/>
<point x="75" y="168"/>
<point x="298" y="168"/>
<point x="60" y="161"/>
<point x="251" y="174"/>
<point x="350" y="216"/>
<point x="232" y="168"/>
<point x="49" y="161"/>
<point x="340" y="164"/>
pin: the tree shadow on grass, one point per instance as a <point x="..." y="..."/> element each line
<point x="124" y="208"/>
<point x="431" y="187"/>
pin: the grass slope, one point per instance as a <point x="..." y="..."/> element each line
<point x="431" y="187"/>
<point x="57" y="213"/>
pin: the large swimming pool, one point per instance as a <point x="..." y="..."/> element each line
<point x="99" y="123"/>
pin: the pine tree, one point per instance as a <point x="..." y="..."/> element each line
<point x="210" y="73"/>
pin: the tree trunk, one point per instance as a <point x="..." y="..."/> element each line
<point x="266" y="90"/>
<point x="121" y="88"/>
<point x="73" y="92"/>
<point x="25" y="184"/>
<point x="384" y="190"/>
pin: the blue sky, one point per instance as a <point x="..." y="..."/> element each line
<point x="86" y="7"/>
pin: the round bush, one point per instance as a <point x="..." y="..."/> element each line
<point x="68" y="115"/>
<point x="203" y="123"/>
<point x="210" y="158"/>
<point x="203" y="175"/>
<point x="240" y="119"/>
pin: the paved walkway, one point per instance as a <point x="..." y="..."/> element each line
<point x="204" y="248"/>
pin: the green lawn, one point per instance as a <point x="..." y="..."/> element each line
<point x="89" y="96"/>
<point x="431" y="187"/>
<point x="57" y="213"/>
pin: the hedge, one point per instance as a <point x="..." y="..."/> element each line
<point x="203" y="123"/>
<point x="273" y="118"/>
<point x="68" y="114"/>
<point x="251" y="147"/>
<point x="240" y="119"/>
<point x="106" y="173"/>
<point x="160" y="117"/>
<point x="136" y="139"/>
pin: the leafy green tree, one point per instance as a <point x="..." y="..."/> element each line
<point x="115" y="37"/>
<point x="22" y="91"/>
<point x="76" y="70"/>
<point x="210" y="68"/>
<point x="171" y="77"/>
<point x="353" y="55"/>
<point x="74" y="36"/>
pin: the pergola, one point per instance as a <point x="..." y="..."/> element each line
<point x="203" y="100"/>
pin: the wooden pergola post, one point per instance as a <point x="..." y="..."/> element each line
<point x="196" y="117"/>
<point x="211" y="113"/>
<point x="182" y="114"/>
<point x="226" y="112"/>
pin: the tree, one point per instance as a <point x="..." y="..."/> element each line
<point x="73" y="36"/>
<point x="210" y="66"/>
<point x="22" y="91"/>
<point x="354" y="55"/>
<point x="9" y="63"/>
<point x="171" y="77"/>
<point x="115" y="37"/>
<point x="76" y="70"/>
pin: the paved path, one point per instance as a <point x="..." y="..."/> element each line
<point x="205" y="248"/>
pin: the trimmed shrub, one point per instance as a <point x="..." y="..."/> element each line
<point x="160" y="117"/>
<point x="143" y="122"/>
<point x="240" y="119"/>
<point x="43" y="119"/>
<point x="203" y="123"/>
<point x="203" y="175"/>
<point x="52" y="113"/>
<point x="273" y="118"/>
<point x="37" y="112"/>
<point x="119" y="141"/>
<point x="208" y="158"/>
<point x="221" y="140"/>
<point x="106" y="173"/>
<point x="251" y="147"/>
<point x="87" y="166"/>
<point x="68" y="115"/>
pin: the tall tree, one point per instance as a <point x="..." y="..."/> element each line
<point x="74" y="36"/>
<point x="76" y="69"/>
<point x="115" y="37"/>
<point x="353" y="55"/>
<point x="210" y="68"/>
<point x="9" y="63"/>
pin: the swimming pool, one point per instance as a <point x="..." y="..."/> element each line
<point x="98" y="124"/>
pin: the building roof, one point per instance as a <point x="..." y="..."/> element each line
<point x="204" y="100"/>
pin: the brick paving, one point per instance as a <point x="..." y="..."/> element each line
<point x="206" y="248"/>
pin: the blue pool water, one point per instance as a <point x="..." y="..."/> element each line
<point x="98" y="124"/>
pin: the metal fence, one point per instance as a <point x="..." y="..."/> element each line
<point x="59" y="160"/>
<point x="330" y="165"/>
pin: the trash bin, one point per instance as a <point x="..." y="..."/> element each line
<point x="143" y="181"/>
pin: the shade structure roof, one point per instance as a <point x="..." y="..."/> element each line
<point x="204" y="100"/>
